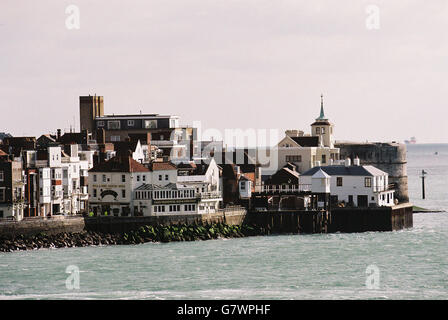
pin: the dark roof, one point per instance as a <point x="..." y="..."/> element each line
<point x="307" y="141"/>
<point x="321" y="122"/>
<point x="346" y="171"/>
<point x="120" y="164"/>
<point x="125" y="146"/>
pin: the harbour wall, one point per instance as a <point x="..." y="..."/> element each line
<point x="112" y="224"/>
<point x="34" y="225"/>
<point x="274" y="222"/>
<point x="371" y="219"/>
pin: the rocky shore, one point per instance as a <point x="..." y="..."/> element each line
<point x="144" y="234"/>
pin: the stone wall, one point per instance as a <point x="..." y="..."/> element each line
<point x="371" y="219"/>
<point x="35" y="225"/>
<point x="112" y="224"/>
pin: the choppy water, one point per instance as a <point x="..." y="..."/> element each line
<point x="412" y="264"/>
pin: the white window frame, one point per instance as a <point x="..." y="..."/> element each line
<point x="131" y="123"/>
<point x="112" y="124"/>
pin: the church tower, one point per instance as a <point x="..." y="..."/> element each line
<point x="323" y="128"/>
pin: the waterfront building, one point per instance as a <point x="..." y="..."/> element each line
<point x="173" y="198"/>
<point x="197" y="190"/>
<point x="165" y="131"/>
<point x="354" y="185"/>
<point x="111" y="184"/>
<point x="12" y="187"/>
<point x="307" y="151"/>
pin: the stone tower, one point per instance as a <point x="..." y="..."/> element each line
<point x="323" y="128"/>
<point x="389" y="157"/>
<point x="90" y="107"/>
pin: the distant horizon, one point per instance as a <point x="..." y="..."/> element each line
<point x="229" y="64"/>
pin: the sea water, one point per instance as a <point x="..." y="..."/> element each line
<point x="406" y="264"/>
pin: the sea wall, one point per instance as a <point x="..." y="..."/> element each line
<point x="371" y="219"/>
<point x="35" y="225"/>
<point x="269" y="222"/>
<point x="282" y="222"/>
<point x="112" y="224"/>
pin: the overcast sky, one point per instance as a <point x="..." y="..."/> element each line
<point x="230" y="64"/>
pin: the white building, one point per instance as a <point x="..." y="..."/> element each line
<point x="197" y="189"/>
<point x="305" y="151"/>
<point x="360" y="186"/>
<point x="111" y="185"/>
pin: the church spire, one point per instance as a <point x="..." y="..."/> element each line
<point x="322" y="114"/>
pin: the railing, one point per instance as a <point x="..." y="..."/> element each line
<point x="209" y="195"/>
<point x="292" y="188"/>
<point x="382" y="188"/>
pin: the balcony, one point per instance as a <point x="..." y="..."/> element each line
<point x="278" y="189"/>
<point x="383" y="188"/>
<point x="209" y="195"/>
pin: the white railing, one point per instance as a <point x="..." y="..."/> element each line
<point x="282" y="188"/>
<point x="209" y="195"/>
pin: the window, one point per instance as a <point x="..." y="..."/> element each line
<point x="115" y="138"/>
<point x="243" y="186"/>
<point x="296" y="158"/>
<point x="104" y="178"/>
<point x="322" y="130"/>
<point x="100" y="123"/>
<point x="166" y="177"/>
<point x="368" y="182"/>
<point x="123" y="178"/>
<point x="123" y="193"/>
<point x="318" y="130"/>
<point x="115" y="124"/>
<point x="2" y="194"/>
<point x="144" y="178"/>
<point x="94" y="178"/>
<point x="160" y="177"/>
<point x="324" y="158"/>
<point x="2" y="176"/>
<point x="339" y="181"/>
<point x="138" y="178"/>
<point x="94" y="193"/>
<point x="149" y="124"/>
<point x="130" y="123"/>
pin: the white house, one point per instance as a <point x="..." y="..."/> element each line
<point x="111" y="185"/>
<point x="360" y="186"/>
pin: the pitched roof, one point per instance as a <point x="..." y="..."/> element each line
<point x="320" y="174"/>
<point x="120" y="164"/>
<point x="307" y="141"/>
<point x="346" y="171"/>
<point x="172" y="186"/>
<point x="155" y="166"/>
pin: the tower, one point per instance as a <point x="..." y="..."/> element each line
<point x="323" y="128"/>
<point x="90" y="107"/>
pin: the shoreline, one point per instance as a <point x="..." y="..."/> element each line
<point x="158" y="234"/>
<point x="416" y="209"/>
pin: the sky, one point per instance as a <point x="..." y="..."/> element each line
<point x="230" y="64"/>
